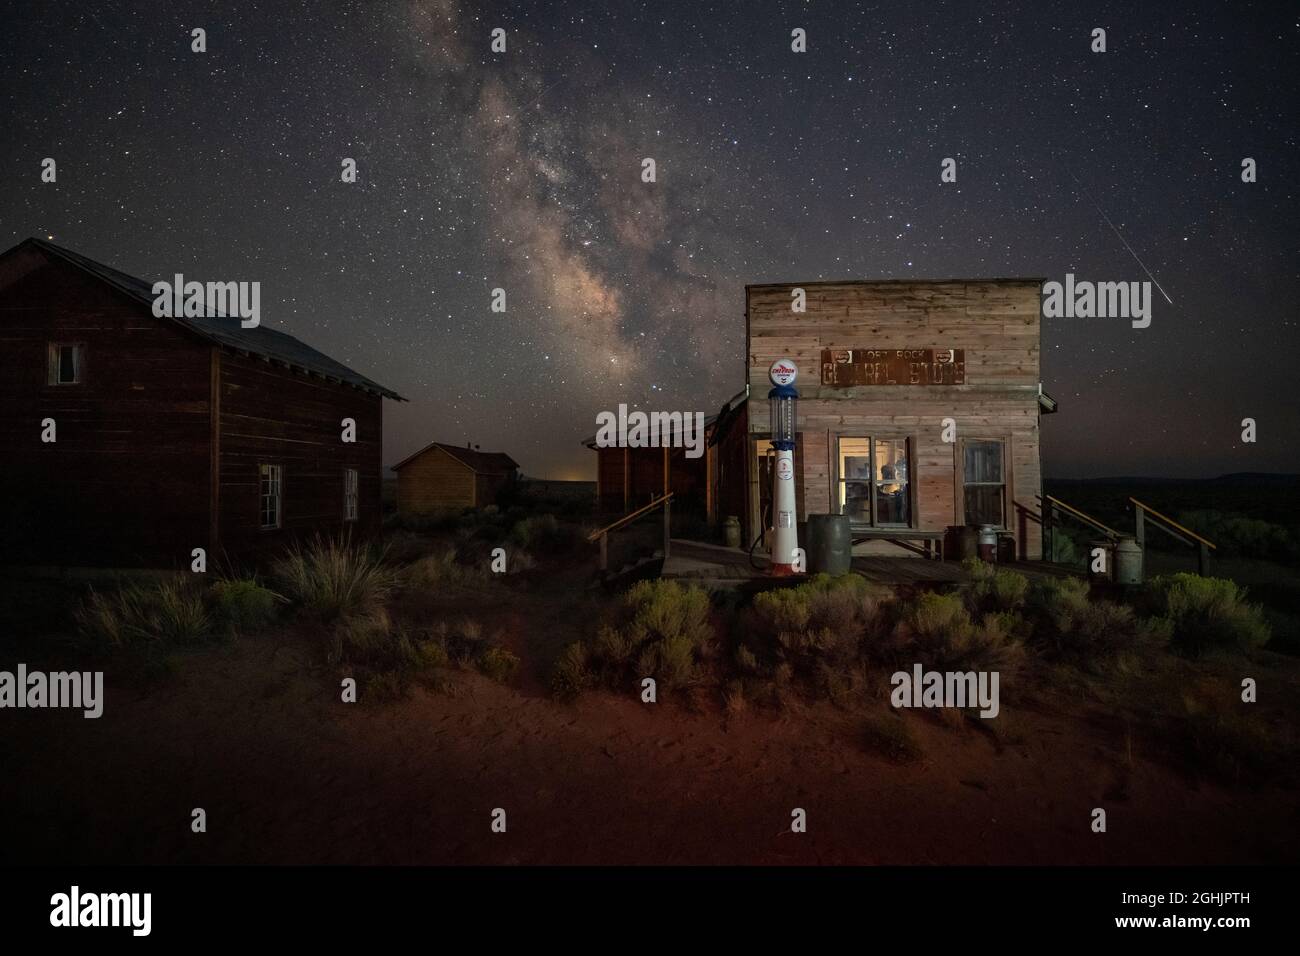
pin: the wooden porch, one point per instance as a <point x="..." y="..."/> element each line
<point x="720" y="566"/>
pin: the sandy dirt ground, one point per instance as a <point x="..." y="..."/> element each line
<point x="255" y="734"/>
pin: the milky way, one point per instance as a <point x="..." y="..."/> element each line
<point x="522" y="171"/>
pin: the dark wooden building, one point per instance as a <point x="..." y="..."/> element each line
<point x="170" y="434"/>
<point x="442" y="477"/>
<point x="627" y="478"/>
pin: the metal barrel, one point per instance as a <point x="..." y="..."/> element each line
<point x="830" y="544"/>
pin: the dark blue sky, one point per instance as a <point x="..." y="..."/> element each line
<point x="522" y="171"/>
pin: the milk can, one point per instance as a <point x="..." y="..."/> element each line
<point x="988" y="543"/>
<point x="731" y="531"/>
<point x="1128" y="561"/>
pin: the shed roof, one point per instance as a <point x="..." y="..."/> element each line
<point x="228" y="332"/>
<point x="482" y="462"/>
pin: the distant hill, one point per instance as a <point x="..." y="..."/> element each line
<point x="1240" y="476"/>
<point x="1268" y="496"/>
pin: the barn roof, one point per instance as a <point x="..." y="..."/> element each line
<point x="482" y="462"/>
<point x="260" y="341"/>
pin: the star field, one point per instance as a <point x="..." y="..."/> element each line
<point x="522" y="171"/>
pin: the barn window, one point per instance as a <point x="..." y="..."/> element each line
<point x="64" y="362"/>
<point x="984" y="478"/>
<point x="349" y="494"/>
<point x="270" y="486"/>
<point x="874" y="481"/>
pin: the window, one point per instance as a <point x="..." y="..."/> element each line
<point x="984" y="479"/>
<point x="349" y="494"/>
<point x="269" y="486"/>
<point x="64" y="363"/>
<point x="874" y="481"/>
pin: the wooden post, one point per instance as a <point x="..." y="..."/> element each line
<point x="1049" y="541"/>
<point x="604" y="552"/>
<point x="1202" y="558"/>
<point x="668" y="517"/>
<point x="1023" y="523"/>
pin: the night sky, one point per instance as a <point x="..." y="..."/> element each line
<point x="522" y="171"/>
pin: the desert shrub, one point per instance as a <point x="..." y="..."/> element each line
<point x="518" y="560"/>
<point x="671" y="661"/>
<point x="243" y="605"/>
<point x="1056" y="595"/>
<point x="404" y="547"/>
<point x="978" y="569"/>
<point x="998" y="590"/>
<point x="937" y="630"/>
<point x="1206" y="613"/>
<point x="746" y="661"/>
<point x="785" y="609"/>
<point x="545" y="534"/>
<point x="661" y="630"/>
<point x="1240" y="535"/>
<point x="384" y="658"/>
<point x="383" y="687"/>
<point x="442" y="570"/>
<point x="890" y="736"/>
<point x="498" y="663"/>
<point x="171" y="612"/>
<point x="821" y="622"/>
<point x="734" y="702"/>
<point x="1095" y="636"/>
<point x="571" y="674"/>
<point x="431" y="654"/>
<point x="332" y="577"/>
<point x="362" y="637"/>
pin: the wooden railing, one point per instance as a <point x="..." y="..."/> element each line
<point x="1172" y="528"/>
<point x="1051" y="509"/>
<point x="602" y="535"/>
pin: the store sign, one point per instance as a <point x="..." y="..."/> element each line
<point x="847" y="368"/>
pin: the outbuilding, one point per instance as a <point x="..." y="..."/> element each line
<point x="442" y="477"/>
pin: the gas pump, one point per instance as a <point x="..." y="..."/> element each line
<point x="784" y="403"/>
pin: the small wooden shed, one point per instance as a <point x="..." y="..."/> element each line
<point x="441" y="477"/>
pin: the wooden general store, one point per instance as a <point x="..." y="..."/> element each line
<point x="919" y="403"/>
<point x="919" y="410"/>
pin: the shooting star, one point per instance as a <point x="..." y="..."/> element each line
<point x="1083" y="189"/>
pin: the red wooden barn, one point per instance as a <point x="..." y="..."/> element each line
<point x="169" y="434"/>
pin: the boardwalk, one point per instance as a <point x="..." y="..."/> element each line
<point x="723" y="567"/>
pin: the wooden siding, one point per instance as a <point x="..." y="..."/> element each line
<point x="435" y="481"/>
<point x="271" y="415"/>
<point x="128" y="481"/>
<point x="996" y="323"/>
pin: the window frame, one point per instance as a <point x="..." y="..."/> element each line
<point x="54" y="362"/>
<point x="351" y="494"/>
<point x="839" y="482"/>
<point x="1004" y="444"/>
<point x="274" y="473"/>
